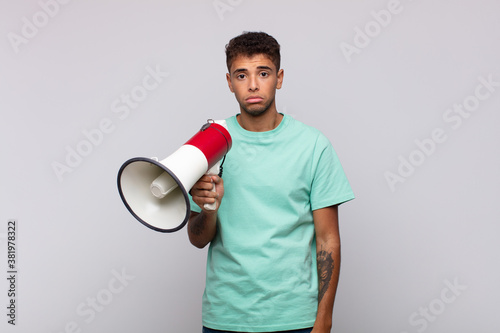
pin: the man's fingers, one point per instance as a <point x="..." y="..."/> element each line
<point x="203" y="189"/>
<point x="201" y="200"/>
<point x="205" y="178"/>
<point x="203" y="184"/>
<point x="206" y="194"/>
<point x="205" y="200"/>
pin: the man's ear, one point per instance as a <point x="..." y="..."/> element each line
<point x="280" y="76"/>
<point x="228" y="78"/>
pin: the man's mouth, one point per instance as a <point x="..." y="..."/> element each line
<point x="254" y="99"/>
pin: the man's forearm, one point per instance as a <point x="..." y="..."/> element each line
<point x="201" y="228"/>
<point x="328" y="261"/>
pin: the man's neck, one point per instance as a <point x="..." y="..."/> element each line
<point x="263" y="123"/>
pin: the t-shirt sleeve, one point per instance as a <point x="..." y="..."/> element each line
<point x="329" y="182"/>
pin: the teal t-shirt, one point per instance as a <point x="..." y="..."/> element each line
<point x="261" y="266"/>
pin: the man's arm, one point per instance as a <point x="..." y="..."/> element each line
<point x="202" y="226"/>
<point x="328" y="259"/>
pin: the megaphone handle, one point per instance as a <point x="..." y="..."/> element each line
<point x="213" y="171"/>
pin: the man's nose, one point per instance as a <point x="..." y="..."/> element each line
<point x="253" y="84"/>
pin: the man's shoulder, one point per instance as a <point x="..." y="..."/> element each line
<point x="303" y="130"/>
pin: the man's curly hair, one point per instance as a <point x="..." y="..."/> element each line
<point x="250" y="44"/>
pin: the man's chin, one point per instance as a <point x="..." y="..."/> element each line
<point x="255" y="111"/>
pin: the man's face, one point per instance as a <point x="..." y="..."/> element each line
<point x="254" y="81"/>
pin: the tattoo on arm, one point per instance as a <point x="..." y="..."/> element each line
<point x="198" y="225"/>
<point x="325" y="272"/>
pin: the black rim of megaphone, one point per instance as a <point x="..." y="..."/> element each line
<point x="184" y="192"/>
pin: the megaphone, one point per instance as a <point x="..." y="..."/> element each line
<point x="156" y="192"/>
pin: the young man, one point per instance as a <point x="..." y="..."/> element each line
<point x="274" y="256"/>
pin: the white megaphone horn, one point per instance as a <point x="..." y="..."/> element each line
<point x="156" y="192"/>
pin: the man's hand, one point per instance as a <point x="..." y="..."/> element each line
<point x="203" y="226"/>
<point x="202" y="192"/>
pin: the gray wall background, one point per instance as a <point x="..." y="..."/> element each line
<point x="407" y="91"/>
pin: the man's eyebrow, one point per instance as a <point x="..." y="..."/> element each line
<point x="265" y="67"/>
<point x="240" y="70"/>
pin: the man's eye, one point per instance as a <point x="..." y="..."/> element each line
<point x="241" y="76"/>
<point x="264" y="74"/>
